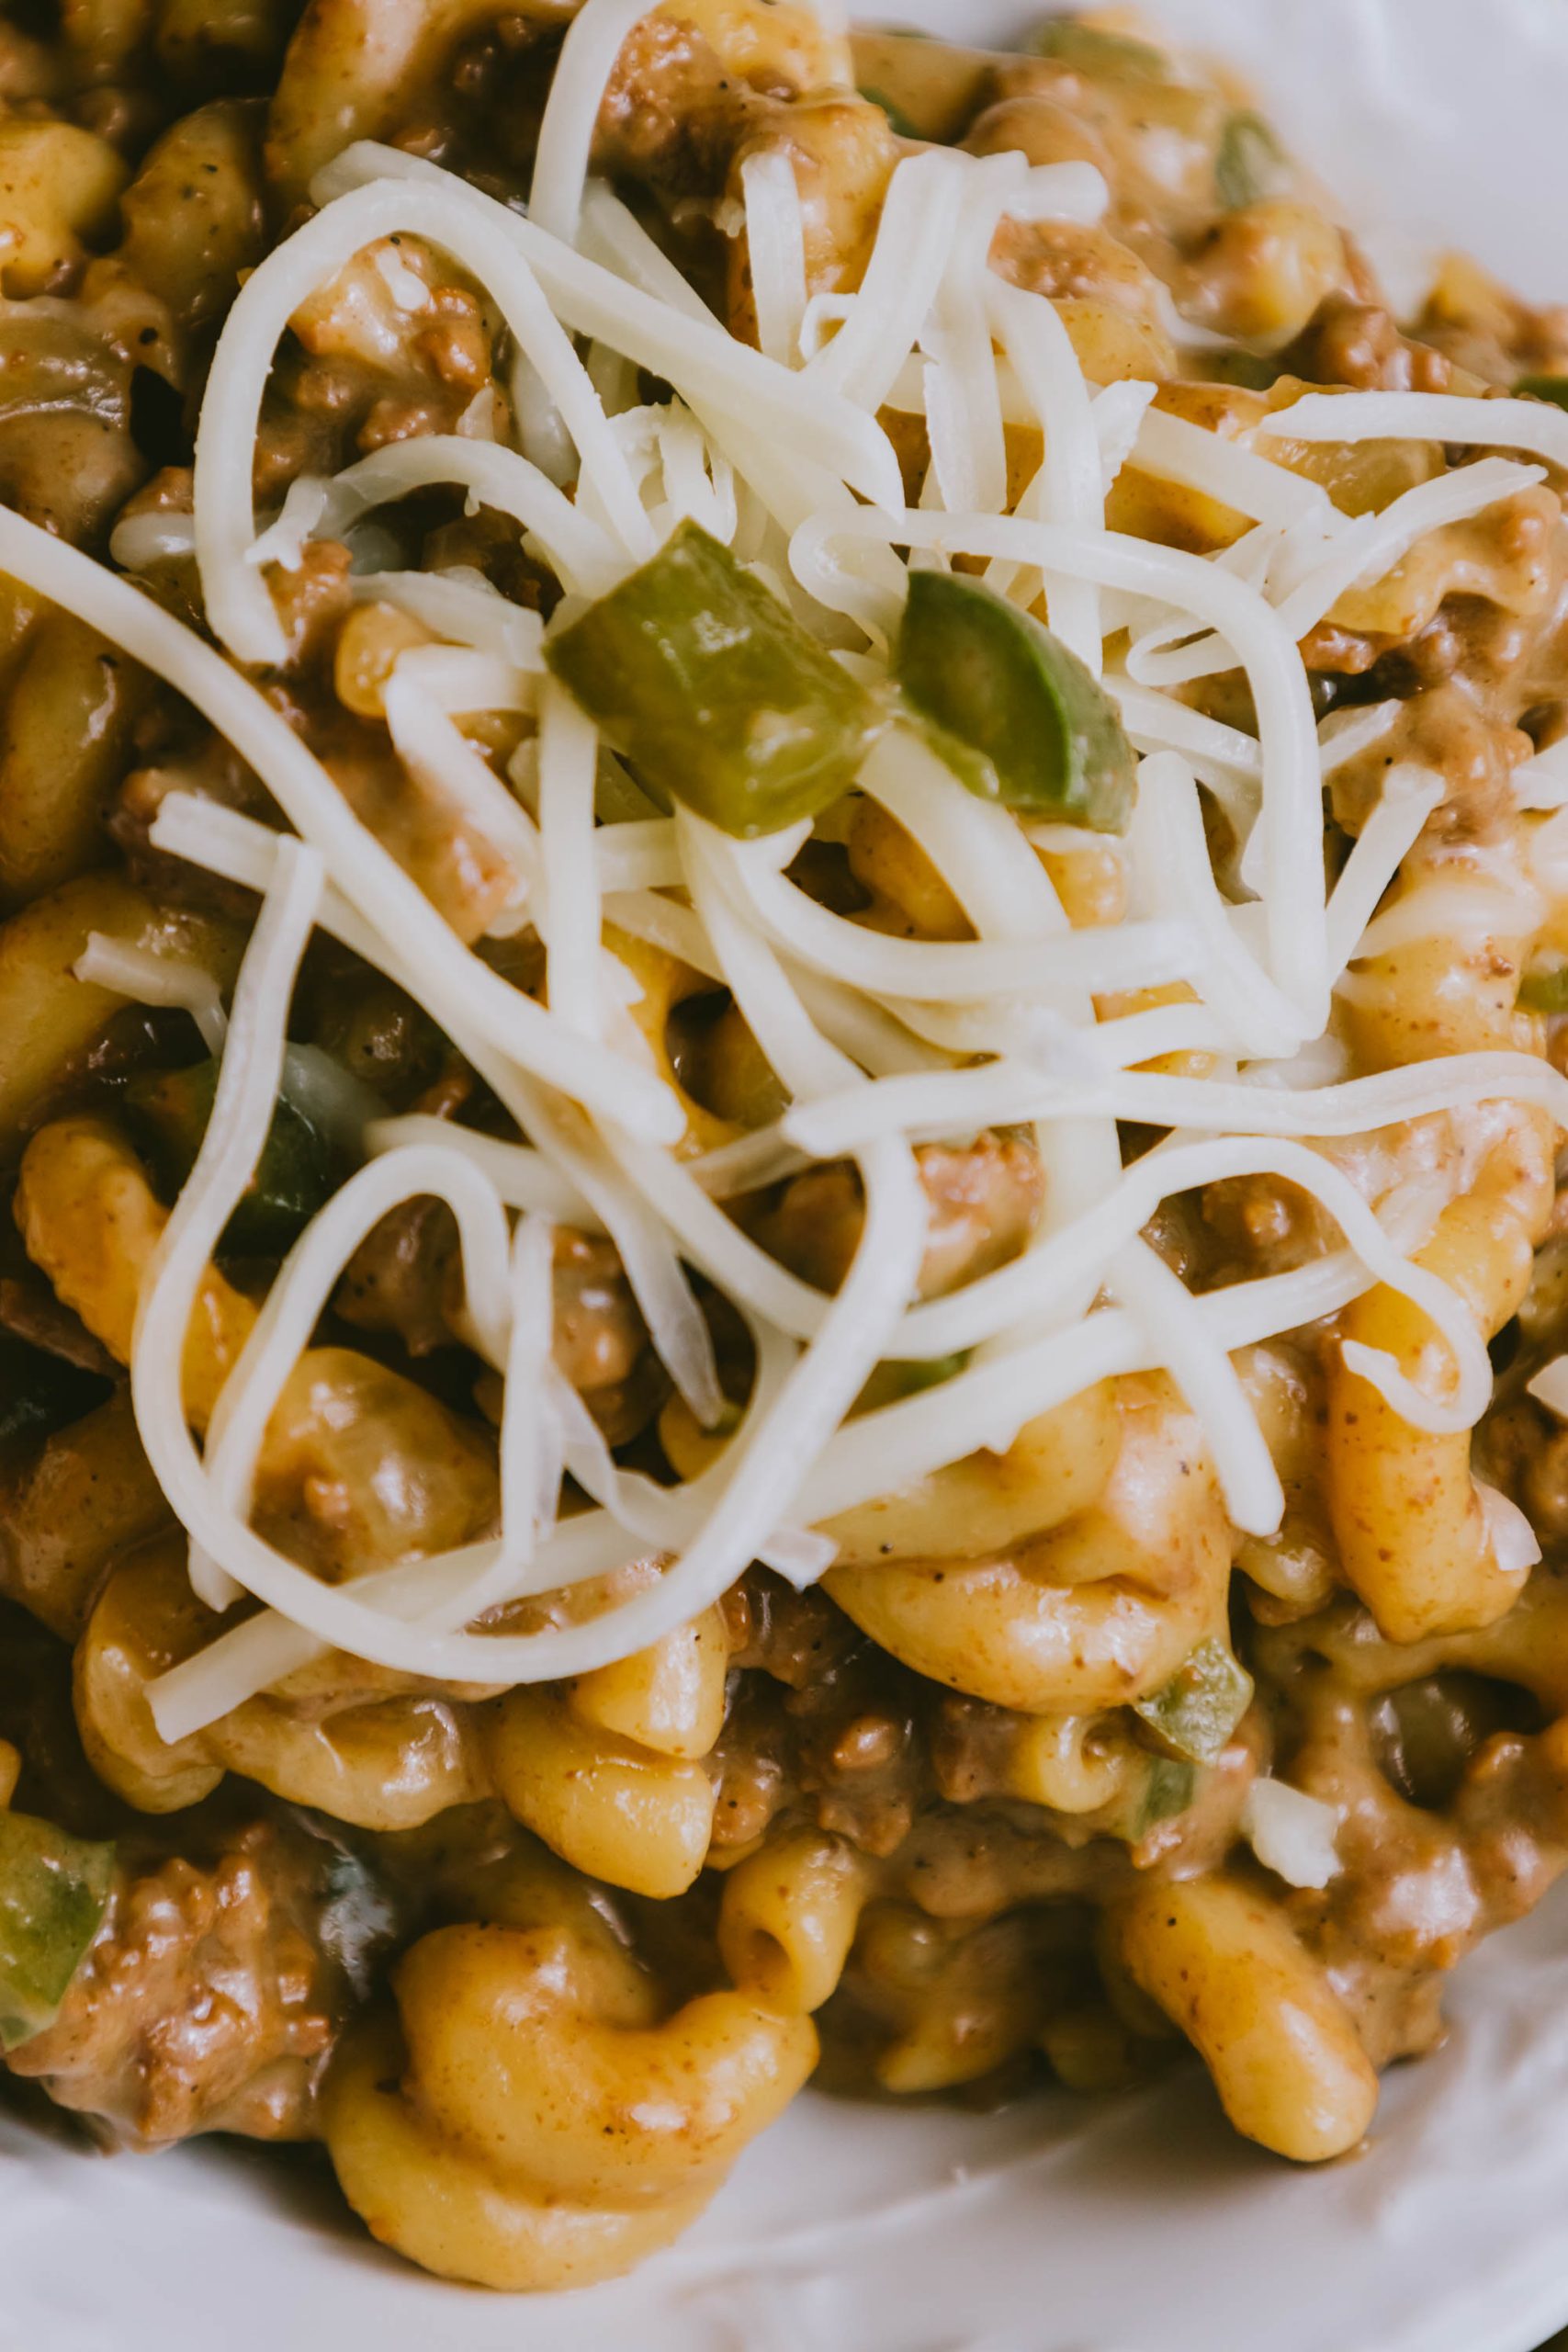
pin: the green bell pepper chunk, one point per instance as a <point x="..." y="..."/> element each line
<point x="293" y="1178"/>
<point x="1169" y="1790"/>
<point x="1545" y="387"/>
<point x="894" y="1380"/>
<point x="1544" y="988"/>
<point x="54" y="1890"/>
<point x="1200" y="1706"/>
<point x="997" y="680"/>
<point x="706" y="683"/>
<point x="1094" y="52"/>
<point x="1251" y="163"/>
<point x="898" y="122"/>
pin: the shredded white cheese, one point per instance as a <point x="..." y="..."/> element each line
<point x="776" y="245"/>
<point x="570" y="917"/>
<point x="581" y="76"/>
<point x="880" y="1042"/>
<point x="145" y="977"/>
<point x="460" y="991"/>
<point x="1161" y="1304"/>
<point x="1535" y="427"/>
<point x="463" y="608"/>
<point x="1409" y="796"/>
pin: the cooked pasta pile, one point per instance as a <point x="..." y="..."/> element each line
<point x="783" y="993"/>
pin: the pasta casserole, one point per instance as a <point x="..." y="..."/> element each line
<point x="784" y="987"/>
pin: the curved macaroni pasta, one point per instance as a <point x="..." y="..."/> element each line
<point x="670" y="1698"/>
<point x="1057" y="1467"/>
<point x="1222" y="1963"/>
<point x="1103" y="1608"/>
<point x="548" y="2126"/>
<point x="1414" y="1538"/>
<point x="384" y="1762"/>
<point x="789" y="1917"/>
<point x="615" y="1809"/>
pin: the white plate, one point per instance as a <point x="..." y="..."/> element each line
<point x="1141" y="2227"/>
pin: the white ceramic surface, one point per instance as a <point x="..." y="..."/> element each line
<point x="1136" y="2227"/>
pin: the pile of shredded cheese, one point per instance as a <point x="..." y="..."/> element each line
<point x="881" y="1042"/>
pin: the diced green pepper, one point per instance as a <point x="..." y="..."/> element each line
<point x="1545" y="387"/>
<point x="891" y="1383"/>
<point x="972" y="768"/>
<point x="1169" y="1790"/>
<point x="1162" y="1788"/>
<point x="931" y="1372"/>
<point x="1544" y="988"/>
<point x="997" y="680"/>
<point x="1095" y="52"/>
<point x="54" y="1890"/>
<point x="1254" y="371"/>
<point x="897" y="120"/>
<point x="1251" y="163"/>
<point x="1200" y="1706"/>
<point x="293" y="1179"/>
<point x="707" y="684"/>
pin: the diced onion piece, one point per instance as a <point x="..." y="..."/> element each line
<point x="161" y="537"/>
<point x="1346" y="734"/>
<point x="1514" y="1544"/>
<point x="283" y="541"/>
<point x="1291" y="1834"/>
<point x="1550" y="1387"/>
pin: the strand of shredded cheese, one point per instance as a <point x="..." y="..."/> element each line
<point x="583" y="74"/>
<point x="460" y="990"/>
<point x="861" y="1028"/>
<point x="776" y="245"/>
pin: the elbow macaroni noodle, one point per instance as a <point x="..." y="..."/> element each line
<point x="1413" y="1539"/>
<point x="548" y="2126"/>
<point x="1102" y="1608"/>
